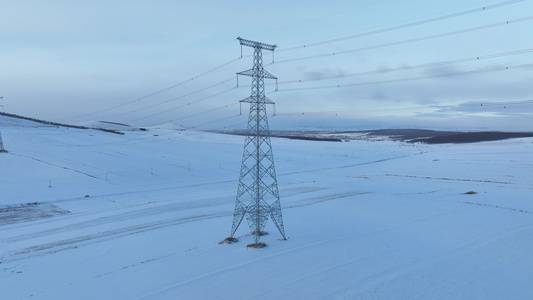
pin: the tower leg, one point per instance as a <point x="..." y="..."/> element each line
<point x="238" y="216"/>
<point x="277" y="217"/>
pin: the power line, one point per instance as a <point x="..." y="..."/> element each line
<point x="377" y="110"/>
<point x="189" y="80"/>
<point x="159" y="91"/>
<point x="408" y="68"/>
<point x="366" y="83"/>
<point x="208" y="111"/>
<point x="440" y="35"/>
<point x="487" y="70"/>
<point x="182" y="106"/>
<point x="402" y="26"/>
<point x="419" y="39"/>
<point x="318" y="18"/>
<point x="414" y="108"/>
<point x="174" y="99"/>
<point x="315" y="44"/>
<point x="328" y="54"/>
<point x="427" y="65"/>
<point x="333" y="77"/>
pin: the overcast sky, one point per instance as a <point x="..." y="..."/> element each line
<point x="437" y="64"/>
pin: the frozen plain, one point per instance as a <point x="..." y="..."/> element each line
<point x="86" y="214"/>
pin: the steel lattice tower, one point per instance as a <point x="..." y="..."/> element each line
<point x="257" y="193"/>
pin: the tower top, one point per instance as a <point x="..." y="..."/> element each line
<point x="255" y="44"/>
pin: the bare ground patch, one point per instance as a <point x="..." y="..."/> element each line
<point x="29" y="212"/>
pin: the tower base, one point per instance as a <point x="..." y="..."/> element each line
<point x="256" y="245"/>
<point x="228" y="240"/>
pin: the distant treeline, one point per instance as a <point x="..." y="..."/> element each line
<point x="472" y="137"/>
<point x="447" y="137"/>
<point x="58" y="124"/>
<point x="404" y="135"/>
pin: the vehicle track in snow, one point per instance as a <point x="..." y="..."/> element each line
<point x="449" y="179"/>
<point x="72" y="231"/>
<point x="72" y="243"/>
<point x="321" y="271"/>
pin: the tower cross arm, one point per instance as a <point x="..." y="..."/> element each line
<point x="255" y="44"/>
<point x="263" y="73"/>
<point x="253" y="99"/>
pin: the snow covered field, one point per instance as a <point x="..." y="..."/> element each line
<point x="86" y="214"/>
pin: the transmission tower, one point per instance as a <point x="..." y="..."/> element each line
<point x="257" y="193"/>
<point x="2" y="150"/>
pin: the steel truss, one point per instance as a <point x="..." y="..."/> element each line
<point x="257" y="193"/>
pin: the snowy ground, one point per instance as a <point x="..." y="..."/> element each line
<point x="86" y="214"/>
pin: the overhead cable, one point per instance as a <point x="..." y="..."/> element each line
<point x="373" y="32"/>
<point x="440" y="35"/>
<point x="487" y="70"/>
<point x="407" y="68"/>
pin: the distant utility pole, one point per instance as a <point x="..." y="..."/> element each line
<point x="257" y="193"/>
<point x="2" y="149"/>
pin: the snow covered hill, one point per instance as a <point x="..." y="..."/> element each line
<point x="86" y="214"/>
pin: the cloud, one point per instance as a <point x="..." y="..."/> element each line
<point x="324" y="74"/>
<point x="441" y="71"/>
<point x="521" y="107"/>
